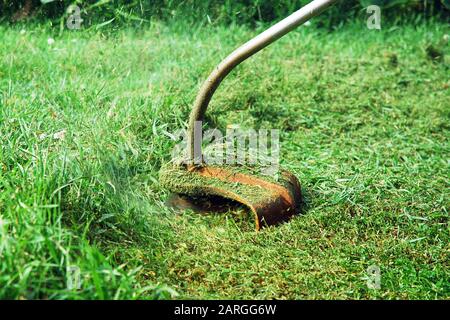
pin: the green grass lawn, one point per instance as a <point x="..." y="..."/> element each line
<point x="364" y="120"/>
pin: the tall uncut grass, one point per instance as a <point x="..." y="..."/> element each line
<point x="213" y="11"/>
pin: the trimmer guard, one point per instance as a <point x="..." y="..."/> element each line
<point x="271" y="200"/>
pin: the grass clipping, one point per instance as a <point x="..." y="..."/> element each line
<point x="178" y="179"/>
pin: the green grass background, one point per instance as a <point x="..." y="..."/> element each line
<point x="364" y="120"/>
<point x="249" y="12"/>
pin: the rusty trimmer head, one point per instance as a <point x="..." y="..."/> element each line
<point x="271" y="200"/>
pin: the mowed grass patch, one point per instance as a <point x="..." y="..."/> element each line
<point x="364" y="125"/>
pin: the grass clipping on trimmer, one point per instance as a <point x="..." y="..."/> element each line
<point x="271" y="200"/>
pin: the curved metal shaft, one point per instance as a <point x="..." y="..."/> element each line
<point x="236" y="57"/>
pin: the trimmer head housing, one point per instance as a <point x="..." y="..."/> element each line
<point x="271" y="200"/>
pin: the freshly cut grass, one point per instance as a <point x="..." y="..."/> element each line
<point x="364" y="125"/>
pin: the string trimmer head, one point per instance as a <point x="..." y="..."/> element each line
<point x="271" y="200"/>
